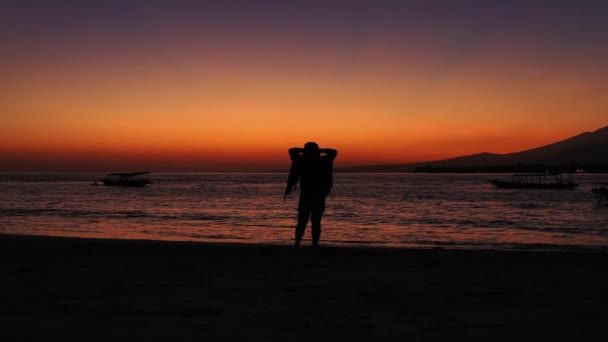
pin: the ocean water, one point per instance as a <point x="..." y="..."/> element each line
<point x="383" y="210"/>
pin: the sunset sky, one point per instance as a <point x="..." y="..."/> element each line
<point x="231" y="85"/>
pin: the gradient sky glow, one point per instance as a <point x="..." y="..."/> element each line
<point x="230" y="85"/>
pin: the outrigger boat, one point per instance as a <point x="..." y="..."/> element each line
<point x="133" y="179"/>
<point x="601" y="189"/>
<point x="549" y="180"/>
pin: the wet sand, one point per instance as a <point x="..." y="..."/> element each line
<point x="102" y="290"/>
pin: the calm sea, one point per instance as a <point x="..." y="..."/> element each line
<point x="403" y="210"/>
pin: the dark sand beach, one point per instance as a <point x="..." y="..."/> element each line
<point x="102" y="290"/>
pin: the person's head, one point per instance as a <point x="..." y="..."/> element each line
<point x="311" y="149"/>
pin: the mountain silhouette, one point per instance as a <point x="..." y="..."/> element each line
<point x="589" y="148"/>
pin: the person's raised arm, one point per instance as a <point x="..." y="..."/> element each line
<point x="329" y="152"/>
<point x="294" y="152"/>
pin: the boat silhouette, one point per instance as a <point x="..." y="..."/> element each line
<point x="548" y="180"/>
<point x="601" y="189"/>
<point x="132" y="179"/>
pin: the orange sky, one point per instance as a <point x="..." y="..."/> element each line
<point x="192" y="101"/>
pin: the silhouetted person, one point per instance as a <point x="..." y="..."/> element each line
<point x="313" y="167"/>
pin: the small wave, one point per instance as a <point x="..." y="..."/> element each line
<point x="210" y="236"/>
<point x="536" y="247"/>
<point x="28" y="212"/>
<point x="130" y="213"/>
<point x="527" y="205"/>
<point x="126" y="214"/>
<point x="190" y="217"/>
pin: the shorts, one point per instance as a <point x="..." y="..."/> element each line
<point x="311" y="202"/>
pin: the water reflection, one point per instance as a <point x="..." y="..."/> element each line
<point x="364" y="209"/>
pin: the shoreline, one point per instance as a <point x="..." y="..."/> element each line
<point x="99" y="290"/>
<point x="531" y="247"/>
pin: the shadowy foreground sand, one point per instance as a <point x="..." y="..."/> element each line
<point x="107" y="290"/>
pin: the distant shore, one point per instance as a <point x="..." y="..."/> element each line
<point x="100" y="290"/>
<point x="472" y="169"/>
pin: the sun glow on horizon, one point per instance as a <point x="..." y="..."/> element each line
<point x="178" y="92"/>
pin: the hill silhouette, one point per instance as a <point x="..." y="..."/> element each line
<point x="589" y="149"/>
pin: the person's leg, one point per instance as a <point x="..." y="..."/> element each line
<point x="318" y="208"/>
<point x="316" y="227"/>
<point x="301" y="226"/>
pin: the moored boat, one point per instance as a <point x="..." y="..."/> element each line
<point x="132" y="179"/>
<point x="600" y="189"/>
<point x="549" y="180"/>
